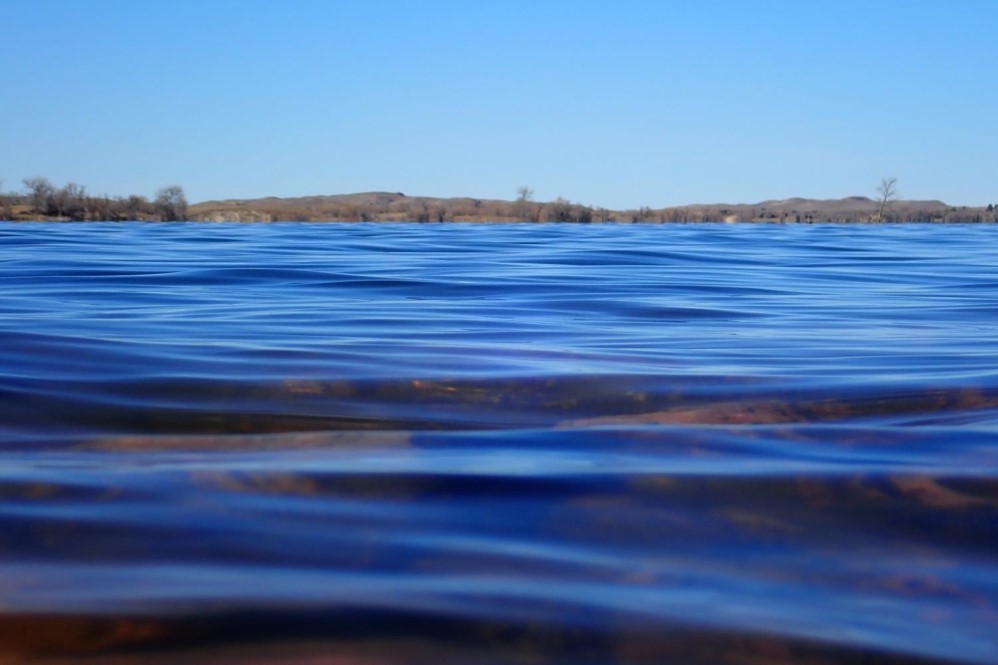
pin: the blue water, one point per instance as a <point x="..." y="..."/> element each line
<point x="469" y="443"/>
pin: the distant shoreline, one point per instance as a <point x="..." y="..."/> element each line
<point x="387" y="206"/>
<point x="398" y="207"/>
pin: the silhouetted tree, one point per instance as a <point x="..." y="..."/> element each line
<point x="524" y="197"/>
<point x="135" y="207"/>
<point x="559" y="211"/>
<point x="71" y="201"/>
<point x="41" y="194"/>
<point x="642" y="214"/>
<point x="887" y="189"/>
<point x="171" y="203"/>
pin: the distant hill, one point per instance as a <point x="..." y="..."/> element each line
<point x="849" y="209"/>
<point x="396" y="206"/>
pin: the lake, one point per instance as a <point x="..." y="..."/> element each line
<point x="380" y="444"/>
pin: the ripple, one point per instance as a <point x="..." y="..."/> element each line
<point x="410" y="443"/>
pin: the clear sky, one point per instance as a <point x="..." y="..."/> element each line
<point x="617" y="104"/>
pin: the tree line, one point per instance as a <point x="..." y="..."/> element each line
<point x="41" y="199"/>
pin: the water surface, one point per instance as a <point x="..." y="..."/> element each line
<point x="451" y="443"/>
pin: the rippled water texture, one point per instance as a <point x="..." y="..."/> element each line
<point x="396" y="443"/>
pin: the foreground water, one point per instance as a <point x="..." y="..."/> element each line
<point x="387" y="444"/>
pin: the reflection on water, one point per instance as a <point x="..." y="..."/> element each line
<point x="375" y="444"/>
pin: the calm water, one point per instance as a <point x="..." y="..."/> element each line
<point x="391" y="443"/>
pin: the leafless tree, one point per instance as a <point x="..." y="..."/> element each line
<point x="171" y="203"/>
<point x="41" y="193"/>
<point x="524" y="197"/>
<point x="563" y="210"/>
<point x="71" y="201"/>
<point x="134" y="207"/>
<point x="642" y="214"/>
<point x="887" y="191"/>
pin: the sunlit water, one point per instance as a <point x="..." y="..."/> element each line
<point x="403" y="443"/>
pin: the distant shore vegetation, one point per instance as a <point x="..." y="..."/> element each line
<point x="40" y="199"/>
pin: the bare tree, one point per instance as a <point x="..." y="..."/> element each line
<point x="135" y="207"/>
<point x="171" y="203"/>
<point x="887" y="191"/>
<point x="41" y="193"/>
<point x="524" y="196"/>
<point x="71" y="200"/>
<point x="562" y="210"/>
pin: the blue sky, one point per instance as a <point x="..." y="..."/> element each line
<point x="616" y="104"/>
